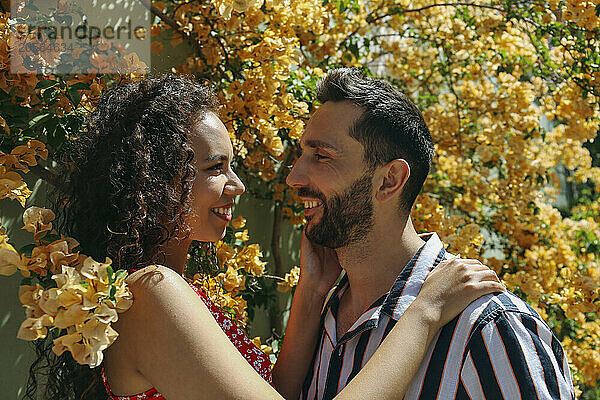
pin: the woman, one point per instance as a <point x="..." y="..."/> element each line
<point x="151" y="174"/>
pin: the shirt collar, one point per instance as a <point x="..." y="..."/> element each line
<point x="408" y="284"/>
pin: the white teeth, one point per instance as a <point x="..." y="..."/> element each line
<point x="311" y="204"/>
<point x="222" y="211"/>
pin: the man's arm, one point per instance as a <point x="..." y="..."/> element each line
<point x="299" y="343"/>
<point x="515" y="356"/>
<point x="319" y="269"/>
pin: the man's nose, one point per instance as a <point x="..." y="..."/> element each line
<point x="297" y="176"/>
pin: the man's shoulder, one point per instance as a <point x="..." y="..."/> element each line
<point x="497" y="308"/>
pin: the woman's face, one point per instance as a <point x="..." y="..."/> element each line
<point x="216" y="185"/>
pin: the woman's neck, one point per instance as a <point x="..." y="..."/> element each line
<point x="176" y="251"/>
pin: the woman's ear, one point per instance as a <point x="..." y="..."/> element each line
<point x="394" y="177"/>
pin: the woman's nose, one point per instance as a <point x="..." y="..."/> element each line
<point x="235" y="186"/>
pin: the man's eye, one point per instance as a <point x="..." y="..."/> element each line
<point x="320" y="157"/>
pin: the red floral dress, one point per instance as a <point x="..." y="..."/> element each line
<point x="251" y="353"/>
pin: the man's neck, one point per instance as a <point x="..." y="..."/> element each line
<point x="373" y="265"/>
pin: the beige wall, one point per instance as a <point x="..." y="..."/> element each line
<point x="15" y="355"/>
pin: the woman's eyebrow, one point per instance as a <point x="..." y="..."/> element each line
<point x="218" y="157"/>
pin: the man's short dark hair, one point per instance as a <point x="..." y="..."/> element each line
<point x="390" y="127"/>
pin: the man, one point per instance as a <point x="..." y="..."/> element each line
<point x="366" y="154"/>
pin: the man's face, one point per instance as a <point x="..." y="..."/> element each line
<point x="332" y="178"/>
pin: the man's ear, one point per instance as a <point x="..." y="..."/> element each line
<point x="394" y="176"/>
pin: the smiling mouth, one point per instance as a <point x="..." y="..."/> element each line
<point x="311" y="207"/>
<point x="309" y="204"/>
<point x="222" y="212"/>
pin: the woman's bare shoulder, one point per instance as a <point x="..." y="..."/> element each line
<point x="162" y="299"/>
<point x="156" y="285"/>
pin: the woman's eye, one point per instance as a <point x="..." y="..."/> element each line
<point x="217" y="167"/>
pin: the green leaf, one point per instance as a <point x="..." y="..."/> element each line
<point x="112" y="292"/>
<point x="79" y="86"/>
<point x="111" y="274"/>
<point x="46" y="84"/>
<point x="120" y="274"/>
<point x="27" y="281"/>
<point x="75" y="97"/>
<point x="50" y="95"/>
<point x="51" y="237"/>
<point x="39" y="119"/>
<point x="57" y="136"/>
<point x="27" y="249"/>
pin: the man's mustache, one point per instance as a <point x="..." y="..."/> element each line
<point x="306" y="192"/>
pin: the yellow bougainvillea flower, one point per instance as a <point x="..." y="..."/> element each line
<point x="235" y="306"/>
<point x="12" y="186"/>
<point x="38" y="221"/>
<point x="4" y="126"/>
<point x="97" y="336"/>
<point x="25" y="155"/>
<point x="68" y="278"/>
<point x="92" y="269"/>
<point x="95" y="347"/>
<point x="232" y="281"/>
<point x="35" y="328"/>
<point x="12" y="162"/>
<point x="10" y="260"/>
<point x="52" y="257"/>
<point x="30" y="295"/>
<point x="80" y="304"/>
<point x="249" y="259"/>
<point x="74" y="315"/>
<point x="290" y="280"/>
<point x="70" y="342"/>
<point x="39" y="148"/>
<point x="224" y="253"/>
<point x="105" y="314"/>
<point x="66" y="298"/>
<point x="263" y="347"/>
<point x="20" y="159"/>
<point x="238" y="222"/>
<point x="243" y="236"/>
<point x="48" y="301"/>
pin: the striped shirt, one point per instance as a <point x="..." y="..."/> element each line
<point x="497" y="348"/>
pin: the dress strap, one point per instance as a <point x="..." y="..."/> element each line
<point x="148" y="394"/>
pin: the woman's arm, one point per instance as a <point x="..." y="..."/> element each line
<point x="448" y="289"/>
<point x="172" y="340"/>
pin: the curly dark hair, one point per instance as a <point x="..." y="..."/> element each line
<point x="128" y="177"/>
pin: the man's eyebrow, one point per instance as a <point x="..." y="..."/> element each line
<point x="321" y="144"/>
<point x="218" y="157"/>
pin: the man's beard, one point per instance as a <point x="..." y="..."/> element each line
<point x="346" y="218"/>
